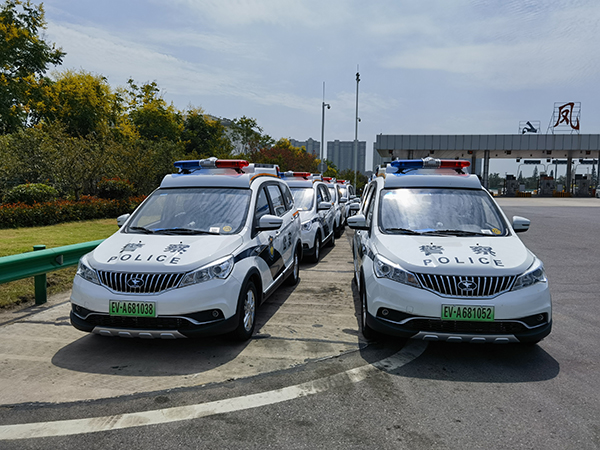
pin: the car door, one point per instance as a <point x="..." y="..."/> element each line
<point x="361" y="237"/>
<point x="269" y="259"/>
<point x="327" y="217"/>
<point x="283" y="242"/>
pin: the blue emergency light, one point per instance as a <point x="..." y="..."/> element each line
<point x="429" y="163"/>
<point x="187" y="166"/>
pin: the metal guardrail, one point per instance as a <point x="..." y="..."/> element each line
<point x="41" y="261"/>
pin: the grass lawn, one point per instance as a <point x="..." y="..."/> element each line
<point x="21" y="240"/>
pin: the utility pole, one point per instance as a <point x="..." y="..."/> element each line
<point x="357" y="119"/>
<point x="322" y="152"/>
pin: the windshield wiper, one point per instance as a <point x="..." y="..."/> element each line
<point x="455" y="233"/>
<point x="171" y="231"/>
<point x="142" y="229"/>
<point x="403" y="231"/>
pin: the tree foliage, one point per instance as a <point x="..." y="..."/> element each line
<point x="149" y="112"/>
<point x="24" y="59"/>
<point x="286" y="156"/>
<point x="246" y="132"/>
<point x="84" y="103"/>
<point x="204" y="137"/>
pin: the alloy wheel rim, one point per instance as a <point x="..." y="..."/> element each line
<point x="249" y="310"/>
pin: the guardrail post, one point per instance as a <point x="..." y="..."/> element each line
<point x="40" y="282"/>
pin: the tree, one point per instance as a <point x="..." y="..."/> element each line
<point x="286" y="156"/>
<point x="350" y="174"/>
<point x="83" y="102"/>
<point x="248" y="134"/>
<point x="149" y="112"/>
<point x="24" y="59"/>
<point x="495" y="181"/>
<point x="204" y="137"/>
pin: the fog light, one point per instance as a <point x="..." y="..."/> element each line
<point x="540" y="317"/>
<point x="215" y="313"/>
<point x="384" y="312"/>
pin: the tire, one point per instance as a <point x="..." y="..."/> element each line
<point x="317" y="254"/>
<point x="247" y="305"/>
<point x="367" y="331"/>
<point x="332" y="240"/>
<point x="338" y="231"/>
<point x="292" y="279"/>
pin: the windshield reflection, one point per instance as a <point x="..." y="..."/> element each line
<point x="189" y="211"/>
<point x="457" y="212"/>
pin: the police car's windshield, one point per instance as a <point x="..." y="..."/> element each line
<point x="440" y="211"/>
<point x="303" y="198"/>
<point x="188" y="211"/>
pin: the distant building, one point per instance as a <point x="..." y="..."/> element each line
<point x="378" y="159"/>
<point x="341" y="153"/>
<point x="313" y="147"/>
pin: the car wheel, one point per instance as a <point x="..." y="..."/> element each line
<point x="292" y="280"/>
<point x="338" y="231"/>
<point x="247" y="305"/>
<point x="317" y="254"/>
<point x="367" y="331"/>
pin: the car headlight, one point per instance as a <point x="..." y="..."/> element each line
<point x="535" y="274"/>
<point x="386" y="269"/>
<point x="218" y="269"/>
<point x="85" y="271"/>
<point x="306" y="226"/>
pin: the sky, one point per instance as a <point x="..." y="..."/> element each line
<point x="426" y="67"/>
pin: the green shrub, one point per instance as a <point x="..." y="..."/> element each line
<point x="18" y="215"/>
<point x="114" y="188"/>
<point x="31" y="193"/>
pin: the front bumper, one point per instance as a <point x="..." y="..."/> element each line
<point x="203" y="309"/>
<point x="203" y="323"/>
<point x="399" y="310"/>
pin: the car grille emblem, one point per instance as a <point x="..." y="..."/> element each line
<point x="135" y="283"/>
<point x="466" y="285"/>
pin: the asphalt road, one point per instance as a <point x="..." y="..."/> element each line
<point x="309" y="380"/>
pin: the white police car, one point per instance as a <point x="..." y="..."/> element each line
<point x="196" y="258"/>
<point x="348" y="192"/>
<point x="339" y="203"/>
<point x="317" y="212"/>
<point x="436" y="259"/>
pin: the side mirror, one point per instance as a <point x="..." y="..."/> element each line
<point x="343" y="200"/>
<point x="323" y="206"/>
<point x="122" y="219"/>
<point x="353" y="208"/>
<point x="357" y="222"/>
<point x="269" y="222"/>
<point x="520" y="224"/>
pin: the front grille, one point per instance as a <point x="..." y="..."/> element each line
<point x="139" y="283"/>
<point x="448" y="326"/>
<point x="146" y="323"/>
<point x="465" y="287"/>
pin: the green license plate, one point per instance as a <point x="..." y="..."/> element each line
<point x="132" y="309"/>
<point x="468" y="312"/>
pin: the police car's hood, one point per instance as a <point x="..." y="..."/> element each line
<point x="158" y="253"/>
<point x="451" y="255"/>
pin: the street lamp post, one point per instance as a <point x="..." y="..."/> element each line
<point x="357" y="119"/>
<point x="323" y="128"/>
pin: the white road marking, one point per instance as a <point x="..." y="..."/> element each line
<point x="120" y="421"/>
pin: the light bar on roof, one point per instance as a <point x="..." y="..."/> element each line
<point x="429" y="163"/>
<point x="289" y="173"/>
<point x="210" y="163"/>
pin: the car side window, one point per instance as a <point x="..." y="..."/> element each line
<point x="325" y="193"/>
<point x="287" y="197"/>
<point x="370" y="207"/>
<point x="262" y="204"/>
<point x="277" y="200"/>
